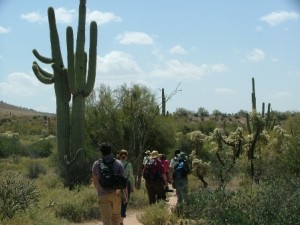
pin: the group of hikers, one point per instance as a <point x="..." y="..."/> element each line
<point x="114" y="180"/>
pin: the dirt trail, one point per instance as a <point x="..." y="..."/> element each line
<point x="131" y="214"/>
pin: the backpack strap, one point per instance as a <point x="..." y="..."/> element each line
<point x="125" y="168"/>
<point x="103" y="163"/>
<point x="126" y="165"/>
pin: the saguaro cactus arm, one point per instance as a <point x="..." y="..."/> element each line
<point x="80" y="81"/>
<point x="43" y="59"/>
<point x="42" y="75"/>
<point x="92" y="60"/>
<point x="71" y="60"/>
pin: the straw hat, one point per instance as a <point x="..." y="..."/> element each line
<point x="154" y="154"/>
<point x="147" y="152"/>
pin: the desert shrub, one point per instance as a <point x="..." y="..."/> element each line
<point x="40" y="149"/>
<point x="79" y="208"/>
<point x="10" y="145"/>
<point x="14" y="159"/>
<point x="293" y="156"/>
<point x="35" y="169"/>
<point x="276" y="202"/>
<point x="16" y="195"/>
<point x="139" y="198"/>
<point x="51" y="181"/>
<point x="70" y="211"/>
<point x="35" y="216"/>
<point x="155" y="214"/>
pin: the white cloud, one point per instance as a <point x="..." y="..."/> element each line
<point x="182" y="70"/>
<point x="34" y="17"/>
<point x="276" y="18"/>
<point x="224" y="91"/>
<point x="134" y="38"/>
<point x="282" y="95"/>
<point x="117" y="63"/>
<point x="19" y="84"/>
<point x="178" y="49"/>
<point x="102" y="18"/>
<point x="218" y="68"/>
<point x="117" y="68"/>
<point x="4" y="30"/>
<point x="256" y="55"/>
<point x="63" y="15"/>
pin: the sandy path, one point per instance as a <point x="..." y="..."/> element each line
<point x="131" y="214"/>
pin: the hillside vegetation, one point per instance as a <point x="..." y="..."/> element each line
<point x="229" y="183"/>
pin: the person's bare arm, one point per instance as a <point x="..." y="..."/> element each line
<point x="95" y="181"/>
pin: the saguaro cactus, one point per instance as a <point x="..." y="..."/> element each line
<point x="163" y="102"/>
<point x="72" y="81"/>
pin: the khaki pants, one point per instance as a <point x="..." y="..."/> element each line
<point x="110" y="208"/>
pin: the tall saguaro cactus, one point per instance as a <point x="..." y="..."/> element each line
<point x="76" y="80"/>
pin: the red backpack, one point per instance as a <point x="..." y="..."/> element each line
<point x="152" y="170"/>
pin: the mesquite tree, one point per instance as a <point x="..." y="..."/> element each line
<point x="76" y="81"/>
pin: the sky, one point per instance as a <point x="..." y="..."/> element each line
<point x="208" y="50"/>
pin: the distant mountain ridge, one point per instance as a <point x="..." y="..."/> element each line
<point x="8" y="109"/>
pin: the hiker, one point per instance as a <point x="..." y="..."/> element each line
<point x="172" y="163"/>
<point x="166" y="164"/>
<point x="146" y="157"/>
<point x="155" y="179"/>
<point x="180" y="177"/>
<point x="128" y="174"/>
<point x="109" y="198"/>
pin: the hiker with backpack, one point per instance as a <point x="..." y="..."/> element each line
<point x="180" y="177"/>
<point x="172" y="164"/>
<point x="166" y="164"/>
<point x="146" y="157"/>
<point x="128" y="174"/>
<point x="155" y="179"/>
<point x="108" y="179"/>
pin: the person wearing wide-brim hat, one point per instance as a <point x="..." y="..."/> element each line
<point x="156" y="181"/>
<point x="146" y="157"/>
<point x="154" y="154"/>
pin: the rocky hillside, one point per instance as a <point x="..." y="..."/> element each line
<point x="11" y="110"/>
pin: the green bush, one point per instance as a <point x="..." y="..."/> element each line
<point x="16" y="195"/>
<point x="155" y="214"/>
<point x="276" y="202"/>
<point x="70" y="211"/>
<point x="40" y="149"/>
<point x="139" y="198"/>
<point x="80" y="208"/>
<point x="10" y="145"/>
<point x="35" y="169"/>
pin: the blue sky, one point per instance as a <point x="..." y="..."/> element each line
<point x="210" y="48"/>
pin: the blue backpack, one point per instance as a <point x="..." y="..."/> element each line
<point x="181" y="170"/>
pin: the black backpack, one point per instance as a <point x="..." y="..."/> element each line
<point x="107" y="177"/>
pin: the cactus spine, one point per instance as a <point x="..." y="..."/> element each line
<point x="70" y="81"/>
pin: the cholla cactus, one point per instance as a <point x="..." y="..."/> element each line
<point x="199" y="168"/>
<point x="281" y="140"/>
